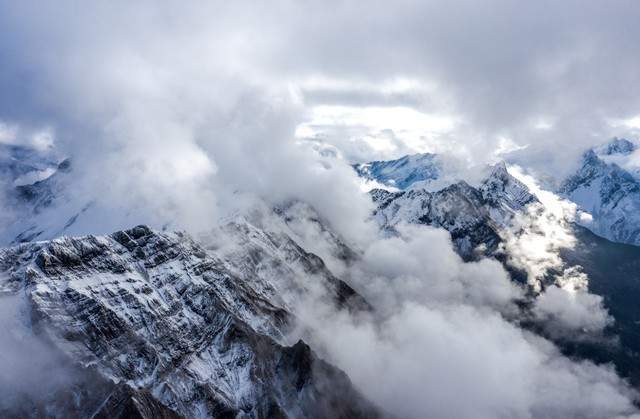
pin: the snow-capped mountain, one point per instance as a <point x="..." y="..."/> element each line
<point x="617" y="146"/>
<point x="403" y="172"/>
<point x="274" y="262"/>
<point x="473" y="216"/>
<point x="477" y="218"/>
<point x="23" y="165"/>
<point x="149" y="324"/>
<point x="155" y="325"/>
<point x="606" y="188"/>
<point x="42" y="208"/>
<point x="609" y="193"/>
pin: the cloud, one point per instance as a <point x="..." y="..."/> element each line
<point x="439" y="343"/>
<point x="31" y="371"/>
<point x="564" y="310"/>
<point x="499" y="77"/>
<point x="167" y="115"/>
<point x="425" y="252"/>
<point x="563" y="306"/>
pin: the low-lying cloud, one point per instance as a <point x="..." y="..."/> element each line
<point x="440" y="343"/>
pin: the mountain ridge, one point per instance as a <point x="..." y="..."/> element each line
<point x="159" y="313"/>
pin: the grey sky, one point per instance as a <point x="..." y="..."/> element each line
<point x="500" y="67"/>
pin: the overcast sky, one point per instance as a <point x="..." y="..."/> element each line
<point x="376" y="79"/>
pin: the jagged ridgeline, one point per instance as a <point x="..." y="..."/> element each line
<point x="142" y="323"/>
<point x="152" y="325"/>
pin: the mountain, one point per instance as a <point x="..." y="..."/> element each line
<point x="606" y="188"/>
<point x="21" y="165"/>
<point x="403" y="172"/>
<point x="42" y="209"/>
<point x="142" y="323"/>
<point x="477" y="217"/>
<point x="473" y="216"/>
<point x="609" y="193"/>
<point x="150" y="324"/>
<point x="617" y="146"/>
<point x="263" y="250"/>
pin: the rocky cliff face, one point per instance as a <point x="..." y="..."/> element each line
<point x="165" y="328"/>
<point x="606" y="187"/>
<point x="609" y="193"/>
<point x="473" y="216"/>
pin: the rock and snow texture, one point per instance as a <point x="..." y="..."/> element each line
<point x="43" y="210"/>
<point x="473" y="216"/>
<point x="403" y="172"/>
<point x="20" y="165"/>
<point x="607" y="192"/>
<point x="171" y="330"/>
<point x="606" y="189"/>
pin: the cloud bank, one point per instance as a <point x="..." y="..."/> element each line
<point x="441" y="344"/>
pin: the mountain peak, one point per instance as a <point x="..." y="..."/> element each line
<point x="504" y="192"/>
<point x="617" y="146"/>
<point x="499" y="170"/>
<point x="403" y="172"/>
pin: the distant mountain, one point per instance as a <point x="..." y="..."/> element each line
<point x="473" y="216"/>
<point x="403" y="172"/>
<point x="477" y="216"/>
<point x="619" y="146"/>
<point x="609" y="193"/>
<point x="23" y="165"/>
<point x="43" y="208"/>
<point x="606" y="191"/>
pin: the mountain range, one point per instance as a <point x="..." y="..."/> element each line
<point x="606" y="187"/>
<point x="145" y="323"/>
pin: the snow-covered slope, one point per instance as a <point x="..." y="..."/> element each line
<point x="167" y="328"/>
<point x="23" y="165"/>
<point x="43" y="209"/>
<point x="609" y="193"/>
<point x="617" y="146"/>
<point x="263" y="253"/>
<point x="606" y="189"/>
<point x="403" y="172"/>
<point x="473" y="216"/>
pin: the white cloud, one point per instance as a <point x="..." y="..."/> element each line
<point x="439" y="344"/>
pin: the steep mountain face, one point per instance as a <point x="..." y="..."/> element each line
<point x="168" y="329"/>
<point x="606" y="191"/>
<point x="312" y="232"/>
<point x="277" y="260"/>
<point x="619" y="146"/>
<point x="403" y="172"/>
<point x="473" y="216"/>
<point x="609" y="193"/>
<point x="39" y="195"/>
